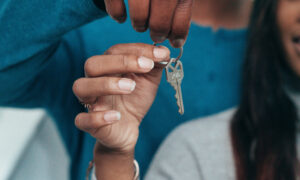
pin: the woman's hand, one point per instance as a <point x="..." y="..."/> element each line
<point x="120" y="86"/>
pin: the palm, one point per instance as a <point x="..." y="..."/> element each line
<point x="133" y="108"/>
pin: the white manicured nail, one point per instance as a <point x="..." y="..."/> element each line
<point x="160" y="52"/>
<point x="112" y="116"/>
<point x="126" y="84"/>
<point x="145" y="63"/>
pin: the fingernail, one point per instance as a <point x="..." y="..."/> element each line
<point x="126" y="84"/>
<point x="178" y="43"/>
<point x="112" y="116"/>
<point x="158" y="39"/>
<point x="140" y="28"/>
<point x="145" y="63"/>
<point x="160" y="52"/>
<point x="119" y="19"/>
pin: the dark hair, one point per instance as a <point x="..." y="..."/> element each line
<point x="263" y="130"/>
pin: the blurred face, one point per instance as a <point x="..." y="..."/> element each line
<point x="288" y="18"/>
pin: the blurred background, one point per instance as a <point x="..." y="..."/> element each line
<point x="30" y="147"/>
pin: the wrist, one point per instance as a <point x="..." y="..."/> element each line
<point x="102" y="150"/>
<point x="91" y="171"/>
<point x="113" y="164"/>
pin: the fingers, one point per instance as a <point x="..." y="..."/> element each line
<point x="139" y="12"/>
<point x="120" y="59"/>
<point x="181" y="23"/>
<point x="157" y="53"/>
<point x="116" y="9"/>
<point x="88" y="89"/>
<point x="117" y="64"/>
<point x="161" y="17"/>
<point x="167" y="18"/>
<point x="90" y="122"/>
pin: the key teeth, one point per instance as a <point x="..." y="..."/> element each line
<point x="177" y="96"/>
<point x="177" y="99"/>
<point x="175" y="81"/>
<point x="181" y="112"/>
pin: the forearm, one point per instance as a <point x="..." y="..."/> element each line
<point x="113" y="165"/>
<point x="31" y="35"/>
<point x="30" y="26"/>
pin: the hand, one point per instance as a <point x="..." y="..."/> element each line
<point x="165" y="18"/>
<point x="121" y="86"/>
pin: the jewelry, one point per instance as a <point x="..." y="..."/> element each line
<point x="91" y="168"/>
<point x="86" y="106"/>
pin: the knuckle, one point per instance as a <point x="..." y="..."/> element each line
<point x="108" y="85"/>
<point x="105" y="85"/>
<point x="124" y="62"/>
<point x="113" y="48"/>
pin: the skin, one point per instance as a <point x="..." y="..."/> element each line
<point x="165" y="19"/>
<point x="171" y="19"/>
<point x="114" y="150"/>
<point x="289" y="25"/>
<point x="121" y="62"/>
<point x="116" y="139"/>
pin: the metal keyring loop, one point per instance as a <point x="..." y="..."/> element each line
<point x="180" y="53"/>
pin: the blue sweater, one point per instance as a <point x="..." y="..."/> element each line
<point x="43" y="48"/>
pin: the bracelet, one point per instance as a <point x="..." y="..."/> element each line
<point x="136" y="170"/>
<point x="91" y="169"/>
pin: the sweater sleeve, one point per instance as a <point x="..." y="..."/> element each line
<point x="176" y="159"/>
<point x="31" y="34"/>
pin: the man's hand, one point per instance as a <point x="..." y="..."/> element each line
<point x="165" y="18"/>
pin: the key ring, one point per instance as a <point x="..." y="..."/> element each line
<point x="179" y="56"/>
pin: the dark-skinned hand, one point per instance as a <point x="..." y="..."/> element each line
<point x="166" y="19"/>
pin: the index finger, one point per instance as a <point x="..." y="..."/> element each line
<point x="181" y="23"/>
<point x="157" y="53"/>
<point x="139" y="12"/>
<point x="116" y="9"/>
<point x="160" y="20"/>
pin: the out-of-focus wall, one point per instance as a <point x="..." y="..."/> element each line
<point x="30" y="147"/>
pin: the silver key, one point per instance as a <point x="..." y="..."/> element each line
<point x="174" y="73"/>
